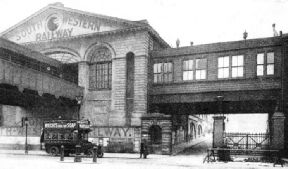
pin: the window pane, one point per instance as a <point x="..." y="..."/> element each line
<point x="203" y="74"/>
<point x="240" y="60"/>
<point x="225" y="72"/>
<point x="155" y="68"/>
<point x="226" y="61"/>
<point x="198" y="74"/>
<point x="237" y="60"/>
<point x="201" y="63"/>
<point x="234" y="61"/>
<point x="190" y="64"/>
<point x="270" y="58"/>
<point x="220" y="62"/>
<point x="260" y="70"/>
<point x="270" y="69"/>
<point x="220" y="73"/>
<point x="185" y="65"/>
<point x="165" y="67"/>
<point x="188" y="75"/>
<point x="170" y="77"/>
<point x="260" y="58"/>
<point x="234" y="72"/>
<point x="169" y="67"/>
<point x="240" y="71"/>
<point x="159" y="67"/>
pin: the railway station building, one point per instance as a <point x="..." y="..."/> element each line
<point x="134" y="85"/>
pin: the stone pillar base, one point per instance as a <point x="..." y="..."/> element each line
<point x="277" y="139"/>
<point x="218" y="131"/>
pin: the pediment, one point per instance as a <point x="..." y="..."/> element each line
<point x="54" y="22"/>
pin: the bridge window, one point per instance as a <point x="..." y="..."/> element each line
<point x="163" y="72"/>
<point x="265" y="64"/>
<point x="223" y="67"/>
<point x="201" y="66"/>
<point x="237" y="66"/>
<point x="100" y="70"/>
<point x="188" y="70"/>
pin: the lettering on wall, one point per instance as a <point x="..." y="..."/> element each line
<point x="20" y="131"/>
<point x="57" y="26"/>
<point x="114" y="133"/>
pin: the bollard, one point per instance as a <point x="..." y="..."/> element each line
<point x="94" y="154"/>
<point x="62" y="153"/>
<point x="78" y="155"/>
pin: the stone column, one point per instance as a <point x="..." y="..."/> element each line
<point x="277" y="139"/>
<point x="218" y="131"/>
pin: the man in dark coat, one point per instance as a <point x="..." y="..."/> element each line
<point x="143" y="149"/>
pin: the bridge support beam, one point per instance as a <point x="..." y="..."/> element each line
<point x="218" y="131"/>
<point x="277" y="139"/>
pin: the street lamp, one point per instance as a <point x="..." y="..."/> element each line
<point x="77" y="158"/>
<point x="79" y="99"/>
<point x="26" y="124"/>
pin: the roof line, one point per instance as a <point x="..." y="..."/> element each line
<point x="115" y="19"/>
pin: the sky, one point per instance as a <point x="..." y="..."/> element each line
<point x="197" y="21"/>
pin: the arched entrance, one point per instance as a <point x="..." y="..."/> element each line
<point x="192" y="131"/>
<point x="157" y="130"/>
<point x="199" y="130"/>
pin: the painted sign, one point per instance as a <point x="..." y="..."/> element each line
<point x="53" y="24"/>
<point x="66" y="125"/>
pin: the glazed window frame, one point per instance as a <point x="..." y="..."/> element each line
<point x="188" y="70"/>
<point x="192" y="69"/>
<point x="237" y="66"/>
<point x="265" y="66"/>
<point x="100" y="75"/>
<point x="162" y="74"/>
<point x="200" y="69"/>
<point x="223" y="68"/>
<point x="229" y="64"/>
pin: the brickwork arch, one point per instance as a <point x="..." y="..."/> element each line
<point x="92" y="48"/>
<point x="54" y="50"/>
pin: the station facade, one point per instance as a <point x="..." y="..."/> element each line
<point x="135" y="86"/>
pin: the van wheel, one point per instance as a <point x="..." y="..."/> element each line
<point x="100" y="155"/>
<point x="90" y="153"/>
<point x="54" y="151"/>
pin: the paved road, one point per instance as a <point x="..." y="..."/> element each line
<point x="200" y="149"/>
<point x="165" y="162"/>
<point x="190" y="158"/>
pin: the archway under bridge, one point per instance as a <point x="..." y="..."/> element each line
<point x="181" y="113"/>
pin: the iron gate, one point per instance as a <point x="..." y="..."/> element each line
<point x="247" y="140"/>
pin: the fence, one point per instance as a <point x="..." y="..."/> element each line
<point x="247" y="140"/>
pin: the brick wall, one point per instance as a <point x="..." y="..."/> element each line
<point x="249" y="81"/>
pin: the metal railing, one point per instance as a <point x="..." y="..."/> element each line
<point x="247" y="140"/>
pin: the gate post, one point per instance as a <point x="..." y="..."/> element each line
<point x="277" y="139"/>
<point x="218" y="131"/>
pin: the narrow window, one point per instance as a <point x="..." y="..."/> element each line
<point x="157" y="73"/>
<point x="201" y="66"/>
<point x="223" y="67"/>
<point x="100" y="69"/>
<point x="237" y="66"/>
<point x="188" y="70"/>
<point x="260" y="64"/>
<point x="270" y="63"/>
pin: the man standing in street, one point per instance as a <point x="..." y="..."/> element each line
<point x="143" y="149"/>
